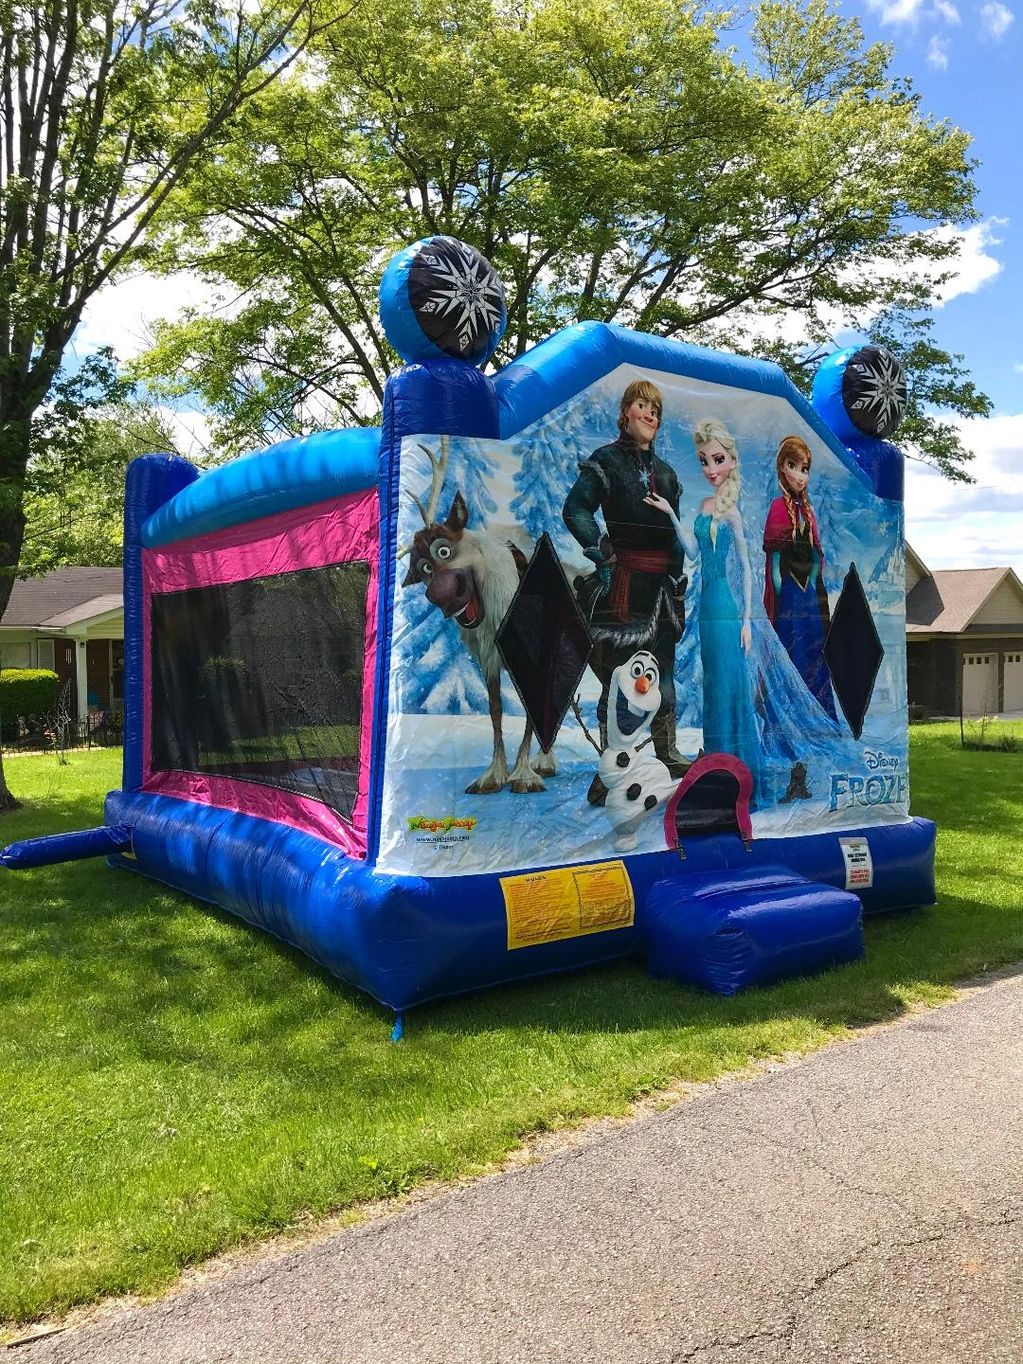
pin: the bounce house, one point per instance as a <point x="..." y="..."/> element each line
<point x="602" y="655"/>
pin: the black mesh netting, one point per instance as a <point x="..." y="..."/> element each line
<point x="262" y="680"/>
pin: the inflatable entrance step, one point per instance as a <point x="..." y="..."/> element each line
<point x="727" y="930"/>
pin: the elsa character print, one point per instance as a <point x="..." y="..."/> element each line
<point x="729" y="723"/>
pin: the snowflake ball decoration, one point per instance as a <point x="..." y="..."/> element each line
<point x="861" y="393"/>
<point x="874" y="391"/>
<point x="440" y="297"/>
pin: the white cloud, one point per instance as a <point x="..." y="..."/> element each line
<point x="970" y="268"/>
<point x="937" y="53"/>
<point x="191" y="431"/>
<point x="910" y="12"/>
<point x="995" y="19"/>
<point x="1018" y="366"/>
<point x="897" y="11"/>
<point x="122" y="314"/>
<point x="973" y="266"/>
<point x="952" y="526"/>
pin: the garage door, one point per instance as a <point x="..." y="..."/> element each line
<point x="1013" y="682"/>
<point x="980" y="684"/>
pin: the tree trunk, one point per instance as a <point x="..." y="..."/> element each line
<point x="15" y="431"/>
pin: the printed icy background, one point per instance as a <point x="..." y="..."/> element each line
<point x="515" y="491"/>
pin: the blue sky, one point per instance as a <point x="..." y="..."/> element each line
<point x="965" y="57"/>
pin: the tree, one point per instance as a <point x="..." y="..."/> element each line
<point x="612" y="159"/>
<point x="105" y="108"/>
<point x="74" y="487"/>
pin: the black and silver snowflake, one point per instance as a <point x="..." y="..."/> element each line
<point x="457" y="298"/>
<point x="874" y="391"/>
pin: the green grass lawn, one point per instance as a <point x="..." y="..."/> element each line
<point x="175" y="1083"/>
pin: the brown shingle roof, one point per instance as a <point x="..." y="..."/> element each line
<point x="35" y="600"/>
<point x="948" y="600"/>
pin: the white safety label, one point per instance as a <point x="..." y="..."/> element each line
<point x="859" y="865"/>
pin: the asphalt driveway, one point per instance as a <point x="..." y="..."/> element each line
<point x="865" y="1204"/>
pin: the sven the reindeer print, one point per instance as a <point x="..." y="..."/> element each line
<point x="471" y="577"/>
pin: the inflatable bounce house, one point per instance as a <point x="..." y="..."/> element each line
<point x="602" y="655"/>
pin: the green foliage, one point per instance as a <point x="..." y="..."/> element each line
<point x="106" y="107"/>
<point x="74" y="497"/>
<point x="180" y="1083"/>
<point x="614" y="160"/>
<point x="939" y="388"/>
<point x="25" y="692"/>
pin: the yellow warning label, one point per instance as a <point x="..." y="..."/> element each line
<point x="545" y="906"/>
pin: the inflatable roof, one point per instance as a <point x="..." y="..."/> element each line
<point x="606" y="647"/>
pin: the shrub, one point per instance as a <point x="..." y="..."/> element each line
<point x="996" y="743"/>
<point x="25" y="692"/>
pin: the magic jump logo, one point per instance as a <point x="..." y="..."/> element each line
<point x="445" y="832"/>
<point x="440" y="826"/>
<point x="881" y="784"/>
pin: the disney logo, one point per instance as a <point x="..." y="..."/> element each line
<point x="879" y="762"/>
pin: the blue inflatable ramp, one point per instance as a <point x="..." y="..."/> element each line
<point x="728" y="930"/>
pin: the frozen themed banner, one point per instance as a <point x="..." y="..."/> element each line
<point x="710" y="585"/>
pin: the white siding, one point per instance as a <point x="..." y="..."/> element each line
<point x="1003" y="607"/>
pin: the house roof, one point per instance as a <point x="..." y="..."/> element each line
<point x="64" y="596"/>
<point x="89" y="610"/>
<point x="912" y="558"/>
<point x="947" y="600"/>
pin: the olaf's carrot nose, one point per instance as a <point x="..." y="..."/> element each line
<point x="642" y="685"/>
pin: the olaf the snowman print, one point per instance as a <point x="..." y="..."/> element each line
<point x="637" y="781"/>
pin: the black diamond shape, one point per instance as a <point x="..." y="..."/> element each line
<point x="853" y="651"/>
<point x="544" y="642"/>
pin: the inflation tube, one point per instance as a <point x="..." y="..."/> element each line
<point x="43" y="852"/>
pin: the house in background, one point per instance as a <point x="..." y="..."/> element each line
<point x="964" y="639"/>
<point x="964" y="636"/>
<point x="70" y="620"/>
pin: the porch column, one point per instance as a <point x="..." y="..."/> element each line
<point x="82" y="678"/>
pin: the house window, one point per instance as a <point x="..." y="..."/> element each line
<point x="261" y="681"/>
<point x="45" y="647"/>
<point x="15" y="656"/>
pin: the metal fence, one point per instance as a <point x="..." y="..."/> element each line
<point x="45" y="736"/>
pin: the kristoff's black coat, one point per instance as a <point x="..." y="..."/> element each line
<point x="615" y="480"/>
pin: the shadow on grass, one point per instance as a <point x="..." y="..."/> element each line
<point x="146" y="973"/>
<point x="908" y="948"/>
<point x="139" y="954"/>
<point x="126" y="1006"/>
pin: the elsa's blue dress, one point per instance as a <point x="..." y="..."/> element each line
<point x="729" y="724"/>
